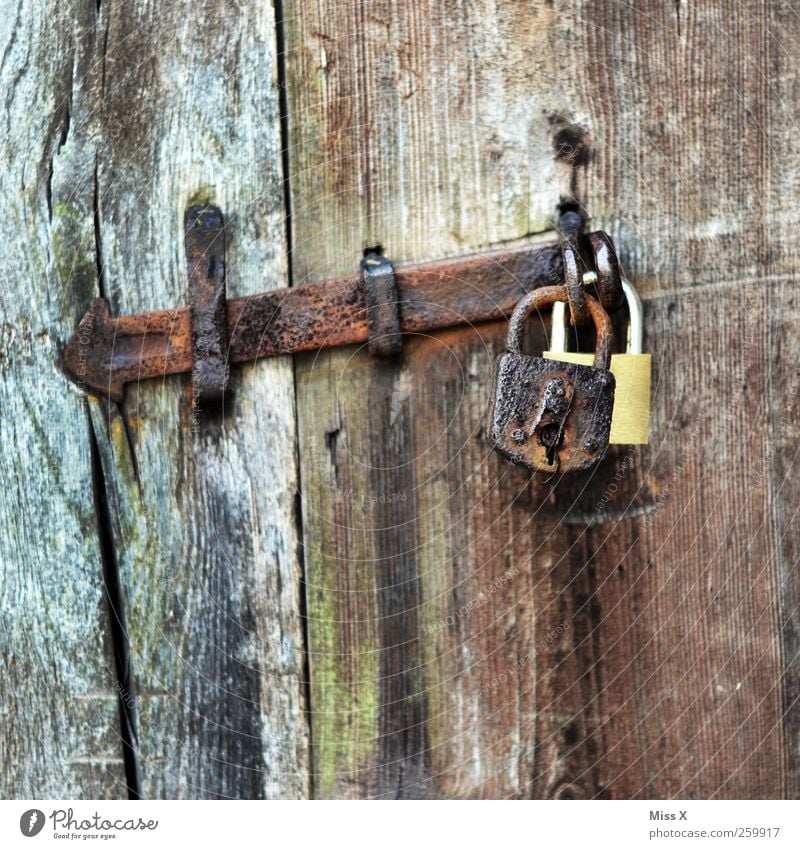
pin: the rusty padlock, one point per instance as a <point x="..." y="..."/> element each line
<point x="546" y="415"/>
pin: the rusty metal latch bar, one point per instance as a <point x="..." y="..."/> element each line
<point x="375" y="306"/>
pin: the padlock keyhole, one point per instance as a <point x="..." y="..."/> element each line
<point x="550" y="436"/>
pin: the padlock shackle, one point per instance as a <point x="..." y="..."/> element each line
<point x="547" y="295"/>
<point x="635" y="332"/>
<point x="558" y="328"/>
<point x="636" y="318"/>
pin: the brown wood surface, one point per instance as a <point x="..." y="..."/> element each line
<point x="630" y="633"/>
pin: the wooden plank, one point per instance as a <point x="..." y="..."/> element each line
<point x="644" y="642"/>
<point x="697" y="643"/>
<point x="688" y="594"/>
<point x="184" y="110"/>
<point x="782" y="337"/>
<point x="58" y="682"/>
<point x="410" y="126"/>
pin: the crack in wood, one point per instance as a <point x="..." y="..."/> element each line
<point x="128" y="712"/>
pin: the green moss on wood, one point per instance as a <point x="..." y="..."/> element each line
<point x="202" y="197"/>
<point x="74" y="252"/>
<point x="344" y="659"/>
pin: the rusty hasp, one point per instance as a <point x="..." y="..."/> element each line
<point x="582" y="253"/>
<point x="106" y="352"/>
<point x="610" y="286"/>
<point x="375" y="306"/>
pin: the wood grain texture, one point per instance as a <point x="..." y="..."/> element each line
<point x="688" y="596"/>
<point x="418" y="127"/>
<point x="644" y="642"/>
<point x="58" y="696"/>
<point x="701" y="661"/>
<point x="175" y="106"/>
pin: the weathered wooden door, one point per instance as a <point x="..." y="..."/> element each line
<point x="337" y="589"/>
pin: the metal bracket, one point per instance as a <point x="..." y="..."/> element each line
<point x="204" y="236"/>
<point x="582" y="253"/>
<point x="382" y="303"/>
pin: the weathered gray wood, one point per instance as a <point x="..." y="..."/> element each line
<point x="183" y="108"/>
<point x="58" y="694"/>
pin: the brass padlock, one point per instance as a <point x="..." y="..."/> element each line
<point x="630" y="422"/>
<point x="546" y="415"/>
